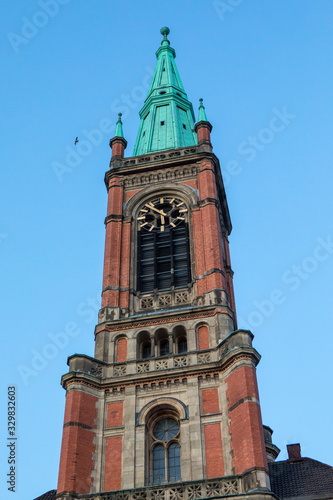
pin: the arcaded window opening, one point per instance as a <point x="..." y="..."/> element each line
<point x="180" y="337"/>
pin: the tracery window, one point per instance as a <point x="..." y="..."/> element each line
<point x="165" y="465"/>
<point x="163" y="245"/>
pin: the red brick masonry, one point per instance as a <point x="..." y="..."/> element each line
<point x="113" y="455"/>
<point x="115" y="414"/>
<point x="213" y="447"/>
<point x="210" y="401"/>
<point x="246" y="428"/>
<point x="76" y="461"/>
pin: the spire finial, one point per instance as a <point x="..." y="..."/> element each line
<point x="202" y="113"/>
<point x="119" y="127"/>
<point x="165" y="31"/>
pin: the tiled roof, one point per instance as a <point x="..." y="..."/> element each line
<point x="296" y="478"/>
<point x="50" y="495"/>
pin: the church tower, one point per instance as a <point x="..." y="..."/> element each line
<point x="168" y="408"/>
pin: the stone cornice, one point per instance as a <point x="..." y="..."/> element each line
<point x="167" y="175"/>
<point x="160" y="160"/>
<point x="240" y="353"/>
<point x="163" y="317"/>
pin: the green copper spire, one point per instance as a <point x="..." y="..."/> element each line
<point x="167" y="117"/>
<point x="119" y="127"/>
<point x="202" y="113"/>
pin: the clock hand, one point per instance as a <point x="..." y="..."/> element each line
<point x="156" y="210"/>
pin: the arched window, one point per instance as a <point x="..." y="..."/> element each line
<point x="162" y="342"/>
<point x="146" y="350"/>
<point x="164" y="347"/>
<point x="180" y="337"/>
<point x="182" y="345"/>
<point x="166" y="451"/>
<point x="163" y="245"/>
<point x="143" y="345"/>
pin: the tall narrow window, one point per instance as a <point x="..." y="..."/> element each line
<point x="146" y="350"/>
<point x="174" y="462"/>
<point x="158" y="464"/>
<point x="163" y="245"/>
<point x="165" y="451"/>
<point x="164" y="347"/>
<point x="182" y="345"/>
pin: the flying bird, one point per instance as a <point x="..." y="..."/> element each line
<point x="76" y="140"/>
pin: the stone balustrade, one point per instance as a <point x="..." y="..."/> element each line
<point x="191" y="490"/>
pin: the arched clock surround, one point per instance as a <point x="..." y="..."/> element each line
<point x="140" y="301"/>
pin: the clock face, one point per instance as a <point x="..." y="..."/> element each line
<point x="162" y="213"/>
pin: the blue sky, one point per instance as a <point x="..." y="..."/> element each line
<point x="264" y="70"/>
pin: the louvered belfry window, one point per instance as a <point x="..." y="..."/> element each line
<point x="163" y="245"/>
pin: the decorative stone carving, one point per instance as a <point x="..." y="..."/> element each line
<point x="181" y="297"/>
<point x="194" y="492"/>
<point x="140" y="495"/>
<point x="96" y="370"/>
<point x="122" y="496"/>
<point x="229" y="486"/>
<point x="176" y="493"/>
<point x="146" y="159"/>
<point x="119" y="370"/>
<point x="147" y="302"/>
<point x="164" y="300"/>
<point x="158" y="300"/>
<point x="143" y="367"/>
<point x="183" y="361"/>
<point x="161" y="364"/>
<point x="203" y="358"/>
<point x="221" y="488"/>
<point x="213" y="489"/>
<point x="160" y="175"/>
<point x="157" y="494"/>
